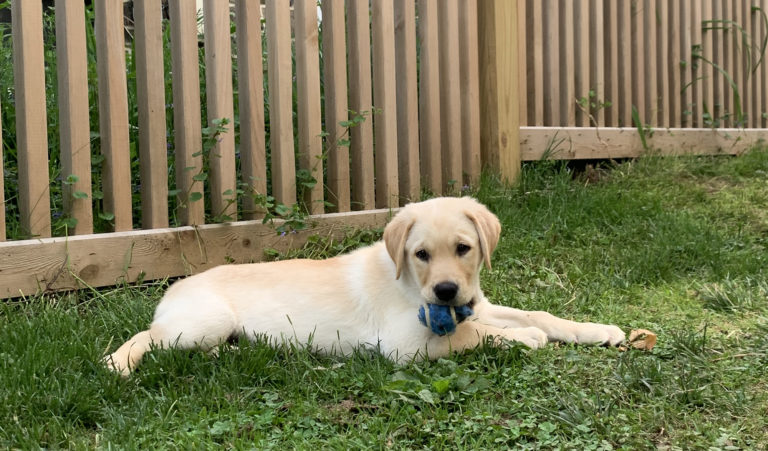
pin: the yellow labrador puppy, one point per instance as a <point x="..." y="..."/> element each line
<point x="432" y="253"/>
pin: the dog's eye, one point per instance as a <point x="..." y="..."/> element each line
<point x="462" y="249"/>
<point x="422" y="255"/>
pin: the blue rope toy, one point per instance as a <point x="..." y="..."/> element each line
<point x="442" y="319"/>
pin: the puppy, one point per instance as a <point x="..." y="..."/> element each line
<point x="432" y="253"/>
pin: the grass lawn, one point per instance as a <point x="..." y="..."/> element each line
<point x="677" y="246"/>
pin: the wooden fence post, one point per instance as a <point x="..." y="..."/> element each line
<point x="499" y="96"/>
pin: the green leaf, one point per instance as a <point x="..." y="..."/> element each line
<point x="174" y="192"/>
<point x="107" y="216"/>
<point x="200" y="177"/>
<point x="80" y="195"/>
<point x="282" y="210"/>
<point x="195" y="196"/>
<point x="441" y="386"/>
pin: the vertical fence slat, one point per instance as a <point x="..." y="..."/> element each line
<point x="218" y="87"/>
<point x="650" y="85"/>
<point x="186" y="110"/>
<point x="567" y="72"/>
<point x="31" y="128"/>
<point x="250" y="80"/>
<point x="308" y="100"/>
<point x="385" y="99"/>
<point x="336" y="103"/>
<point x="536" y="72"/>
<point x="448" y="19"/>
<point x="150" y="92"/>
<point x="738" y="58"/>
<point x="470" y="87"/>
<point x="280" y="74"/>
<point x="679" y="37"/>
<point x="665" y="54"/>
<point x="522" y="56"/>
<point x="582" y="62"/>
<point x="567" y="65"/>
<point x="719" y="57"/>
<point x="2" y="182"/>
<point x="499" y="116"/>
<point x="360" y="101"/>
<point x="754" y="97"/>
<point x="75" y="145"/>
<point x="757" y="76"/>
<point x="692" y="75"/>
<point x="551" y="11"/>
<point x="598" y="61"/>
<point x="708" y="73"/>
<point x="625" y="64"/>
<point x="638" y="60"/>
<point x="429" y="96"/>
<point x="113" y="113"/>
<point x="611" y="71"/>
<point x="407" y="100"/>
<point x="747" y="98"/>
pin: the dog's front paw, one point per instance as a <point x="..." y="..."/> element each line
<point x="110" y="362"/>
<point x="533" y="337"/>
<point x="599" y="334"/>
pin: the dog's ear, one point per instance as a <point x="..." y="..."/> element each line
<point x="395" y="236"/>
<point x="488" y="229"/>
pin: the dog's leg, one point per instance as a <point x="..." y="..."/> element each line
<point x="181" y="326"/>
<point x="471" y="334"/>
<point x="127" y="356"/>
<point x="557" y="329"/>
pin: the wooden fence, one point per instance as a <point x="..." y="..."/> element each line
<point x="422" y="131"/>
<point x="443" y="83"/>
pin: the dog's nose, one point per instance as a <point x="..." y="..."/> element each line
<point x="446" y="291"/>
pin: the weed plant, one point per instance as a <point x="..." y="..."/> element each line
<point x="674" y="245"/>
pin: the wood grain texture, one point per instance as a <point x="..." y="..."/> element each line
<point x="450" y="100"/>
<point x="75" y="134"/>
<point x="611" y="70"/>
<point x="186" y="110"/>
<point x="336" y="103"/>
<point x="665" y="57"/>
<point x="309" y="112"/>
<point x="597" y="73"/>
<point x="581" y="59"/>
<point x="280" y="74"/>
<point x="551" y="69"/>
<point x="250" y="80"/>
<point x="2" y="181"/>
<point x="385" y="100"/>
<point x="113" y="113"/>
<point x="430" y="147"/>
<point x="637" y="49"/>
<point x="625" y="74"/>
<point x="567" y="65"/>
<point x="522" y="51"/>
<point x="31" y="267"/>
<point x="536" y="71"/>
<point x="499" y="115"/>
<point x="219" y="97"/>
<point x="649" y="57"/>
<point x="469" y="81"/>
<point x="31" y="125"/>
<point x="407" y="101"/>
<point x="360" y="101"/>
<point x="150" y="92"/>
<point x="574" y="143"/>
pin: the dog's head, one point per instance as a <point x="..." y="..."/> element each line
<point x="440" y="245"/>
